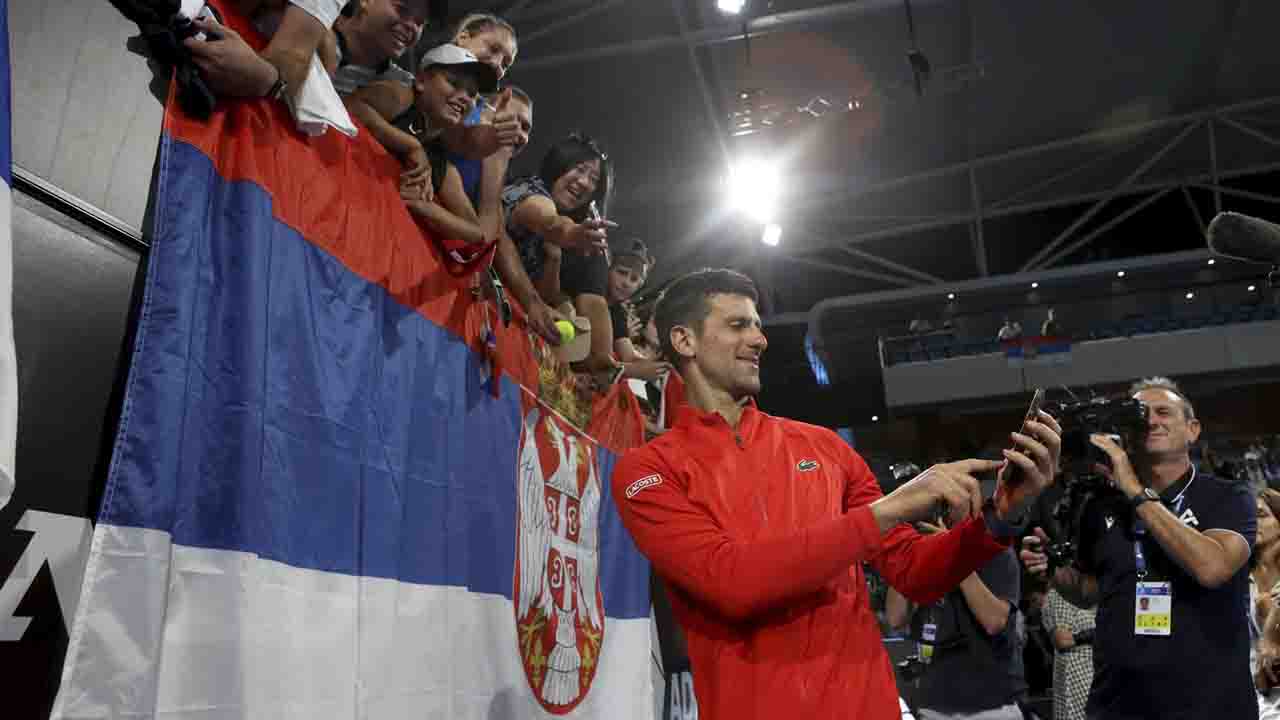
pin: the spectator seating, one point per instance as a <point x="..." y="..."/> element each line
<point x="937" y="346"/>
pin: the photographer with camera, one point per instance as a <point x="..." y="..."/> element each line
<point x="1163" y="555"/>
<point x="969" y="647"/>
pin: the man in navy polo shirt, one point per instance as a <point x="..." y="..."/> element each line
<point x="971" y="642"/>
<point x="1165" y="561"/>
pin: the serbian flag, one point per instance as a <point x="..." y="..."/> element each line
<point x="8" y="360"/>
<point x="1037" y="350"/>
<point x="320" y="505"/>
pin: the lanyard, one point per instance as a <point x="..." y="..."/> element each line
<point x="1140" y="560"/>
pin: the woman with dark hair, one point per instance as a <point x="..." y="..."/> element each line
<point x="1264" y="626"/>
<point x="556" y="219"/>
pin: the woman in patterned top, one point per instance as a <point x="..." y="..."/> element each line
<point x="1071" y="629"/>
<point x="563" y="247"/>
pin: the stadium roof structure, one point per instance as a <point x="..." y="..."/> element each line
<point x="1044" y="134"/>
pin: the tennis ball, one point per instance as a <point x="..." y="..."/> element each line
<point x="567" y="331"/>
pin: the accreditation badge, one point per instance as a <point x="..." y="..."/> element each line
<point x="1153" y="609"/>
<point x="928" y="636"/>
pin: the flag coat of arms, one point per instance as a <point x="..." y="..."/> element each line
<point x="322" y="502"/>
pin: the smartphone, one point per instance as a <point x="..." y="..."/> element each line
<point x="594" y="211"/>
<point x="1013" y="475"/>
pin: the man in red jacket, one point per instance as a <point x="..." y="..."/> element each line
<point x="760" y="525"/>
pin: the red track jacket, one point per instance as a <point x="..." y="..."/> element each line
<point x="760" y="535"/>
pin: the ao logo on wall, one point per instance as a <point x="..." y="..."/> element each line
<point x="62" y="542"/>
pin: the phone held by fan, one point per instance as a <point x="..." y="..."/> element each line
<point x="1014" y="475"/>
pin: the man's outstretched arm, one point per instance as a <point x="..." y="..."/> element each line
<point x="739" y="578"/>
<point x="925" y="569"/>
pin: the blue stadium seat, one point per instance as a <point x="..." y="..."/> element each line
<point x="935" y="343"/>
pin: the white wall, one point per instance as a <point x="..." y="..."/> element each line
<point x="84" y="118"/>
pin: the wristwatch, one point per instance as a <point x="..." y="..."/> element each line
<point x="279" y="87"/>
<point x="1146" y="495"/>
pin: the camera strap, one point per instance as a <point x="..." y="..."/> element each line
<point x="1140" y="530"/>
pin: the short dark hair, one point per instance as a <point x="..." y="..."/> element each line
<point x="633" y="247"/>
<point x="684" y="302"/>
<point x="566" y="155"/>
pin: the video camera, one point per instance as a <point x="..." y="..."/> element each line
<point x="1125" y="420"/>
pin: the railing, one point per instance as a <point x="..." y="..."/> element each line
<point x="1160" y="312"/>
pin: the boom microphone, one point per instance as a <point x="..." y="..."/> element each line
<point x="1245" y="238"/>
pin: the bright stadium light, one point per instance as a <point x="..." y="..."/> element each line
<point x="1120" y="274"/>
<point x="753" y="188"/>
<point x="772" y="235"/>
<point x="1252" y="288"/>
<point x="732" y="7"/>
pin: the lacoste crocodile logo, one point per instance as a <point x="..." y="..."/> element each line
<point x="807" y="465"/>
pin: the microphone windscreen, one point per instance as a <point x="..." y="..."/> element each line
<point x="1244" y="238"/>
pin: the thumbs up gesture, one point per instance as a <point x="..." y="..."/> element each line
<point x="502" y="101"/>
<point x="506" y="124"/>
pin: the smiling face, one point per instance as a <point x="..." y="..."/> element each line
<point x="574" y="188"/>
<point x="392" y="26"/>
<point x="445" y="95"/>
<point x="1171" y="432"/>
<point x="495" y="47"/>
<point x="726" y="350"/>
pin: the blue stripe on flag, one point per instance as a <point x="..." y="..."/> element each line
<point x="280" y="405"/>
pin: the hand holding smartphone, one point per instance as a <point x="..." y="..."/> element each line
<point x="594" y="211"/>
<point x="1014" y="474"/>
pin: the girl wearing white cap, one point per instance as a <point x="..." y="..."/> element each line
<point x="448" y="85"/>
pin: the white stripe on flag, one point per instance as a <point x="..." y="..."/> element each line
<point x="173" y="632"/>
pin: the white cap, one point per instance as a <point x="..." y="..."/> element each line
<point x="448" y="54"/>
